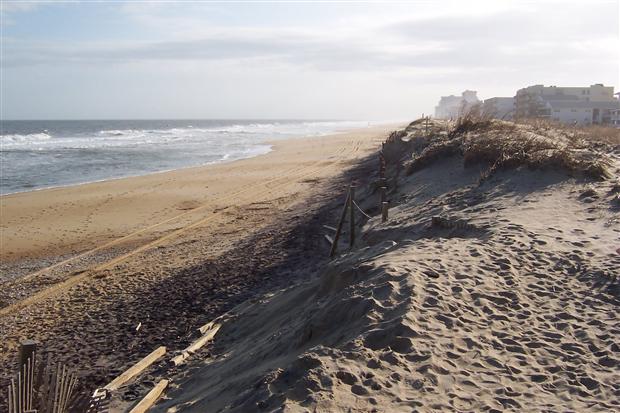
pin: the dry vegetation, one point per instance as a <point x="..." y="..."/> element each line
<point x="505" y="145"/>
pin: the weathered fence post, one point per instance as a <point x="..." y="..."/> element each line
<point x="426" y="127"/>
<point x="21" y="395"/>
<point x="384" y="211"/>
<point x="383" y="192"/>
<point x="340" y="223"/>
<point x="351" y="216"/>
<point x="26" y="352"/>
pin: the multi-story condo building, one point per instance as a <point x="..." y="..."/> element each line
<point x="499" y="107"/>
<point x="452" y="106"/>
<point x="576" y="105"/>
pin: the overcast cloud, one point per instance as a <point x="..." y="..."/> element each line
<point x="363" y="61"/>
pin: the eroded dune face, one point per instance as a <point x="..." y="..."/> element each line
<point x="505" y="301"/>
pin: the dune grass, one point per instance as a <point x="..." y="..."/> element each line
<point x="506" y="145"/>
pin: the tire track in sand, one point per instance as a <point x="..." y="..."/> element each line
<point x="72" y="281"/>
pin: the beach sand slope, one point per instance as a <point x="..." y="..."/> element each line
<point x="505" y="301"/>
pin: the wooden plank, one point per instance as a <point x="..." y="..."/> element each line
<point x="196" y="345"/>
<point x="136" y="369"/>
<point x="209" y="326"/>
<point x="150" y="399"/>
<point x="329" y="239"/>
<point x="330" y="228"/>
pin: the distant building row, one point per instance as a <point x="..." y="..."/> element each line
<point x="574" y="105"/>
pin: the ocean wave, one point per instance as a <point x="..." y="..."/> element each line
<point x="68" y="156"/>
<point x="24" y="139"/>
<point x="235" y="134"/>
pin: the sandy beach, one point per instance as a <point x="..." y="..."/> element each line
<point x="309" y="206"/>
<point x="73" y="258"/>
<point x="478" y="293"/>
<point x="50" y="223"/>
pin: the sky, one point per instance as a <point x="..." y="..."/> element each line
<point x="299" y="60"/>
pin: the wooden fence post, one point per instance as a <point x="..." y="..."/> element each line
<point x="26" y="352"/>
<point x="351" y="217"/>
<point x="426" y="127"/>
<point x="339" y="227"/>
<point x="384" y="211"/>
<point x="383" y="192"/>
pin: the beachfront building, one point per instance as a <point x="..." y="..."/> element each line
<point x="499" y="107"/>
<point x="452" y="106"/>
<point x="615" y="115"/>
<point x="575" y="105"/>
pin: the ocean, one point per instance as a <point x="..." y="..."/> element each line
<point x="44" y="154"/>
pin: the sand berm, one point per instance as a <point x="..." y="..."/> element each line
<point x="493" y="286"/>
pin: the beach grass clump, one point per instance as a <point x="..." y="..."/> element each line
<point x="433" y="152"/>
<point x="412" y="126"/>
<point x="578" y="134"/>
<point x="470" y="121"/>
<point x="506" y="145"/>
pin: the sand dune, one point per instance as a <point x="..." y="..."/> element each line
<point x="506" y="301"/>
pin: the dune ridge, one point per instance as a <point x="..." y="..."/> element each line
<point x="482" y="292"/>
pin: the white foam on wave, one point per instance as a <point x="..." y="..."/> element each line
<point x="58" y="159"/>
<point x="251" y="133"/>
<point x="27" y="139"/>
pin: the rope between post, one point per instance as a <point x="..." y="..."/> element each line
<point x="360" y="209"/>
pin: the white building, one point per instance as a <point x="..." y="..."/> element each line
<point x="452" y="106"/>
<point x="576" y="105"/>
<point x="615" y="115"/>
<point x="499" y="108"/>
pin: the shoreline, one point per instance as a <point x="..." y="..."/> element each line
<point x="270" y="143"/>
<point x="222" y="161"/>
<point x="142" y="251"/>
<point x="51" y="222"/>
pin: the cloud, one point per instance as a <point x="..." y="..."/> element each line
<point x="172" y="59"/>
<point x="285" y="45"/>
<point x="496" y="41"/>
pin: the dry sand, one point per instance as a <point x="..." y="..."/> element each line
<point x="83" y="266"/>
<point x="55" y="222"/>
<point x="507" y="302"/>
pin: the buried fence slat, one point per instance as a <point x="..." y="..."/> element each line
<point x="329" y="239"/>
<point x="151" y="397"/>
<point x="136" y="369"/>
<point x="209" y="326"/>
<point x="339" y="227"/>
<point x="196" y="345"/>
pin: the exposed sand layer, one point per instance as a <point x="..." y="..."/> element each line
<point x="508" y="301"/>
<point x="165" y="252"/>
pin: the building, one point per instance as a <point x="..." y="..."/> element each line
<point x="452" y="106"/>
<point x="576" y="105"/>
<point x="615" y="115"/>
<point x="499" y="108"/>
